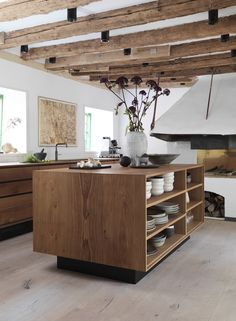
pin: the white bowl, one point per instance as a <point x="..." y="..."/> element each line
<point x="169" y="174"/>
<point x="159" y="243"/>
<point x="168" y="189"/>
<point x="154" y="180"/>
<point x="157" y="192"/>
<point x="168" y="186"/>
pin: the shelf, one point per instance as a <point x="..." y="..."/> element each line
<point x="193" y="226"/>
<point x="154" y="200"/>
<point x="192" y="186"/>
<point x="161" y="227"/>
<point x="193" y="204"/>
<point x="169" y="245"/>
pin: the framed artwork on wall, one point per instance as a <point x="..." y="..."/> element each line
<point x="57" y="122"/>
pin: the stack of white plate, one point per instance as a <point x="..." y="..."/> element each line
<point x="169" y="207"/>
<point x="148" y="189"/>
<point x="158" y="215"/>
<point x="169" y="181"/>
<point x="150" y="224"/>
<point x="157" y="185"/>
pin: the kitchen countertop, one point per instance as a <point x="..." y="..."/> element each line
<point x="51" y="162"/>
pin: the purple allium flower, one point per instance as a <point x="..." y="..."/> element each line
<point x="136" y="80"/>
<point x="132" y="109"/>
<point x="166" y="92"/>
<point x="122" y="81"/>
<point x="143" y="92"/>
<point x="104" y="80"/>
<point x="152" y="84"/>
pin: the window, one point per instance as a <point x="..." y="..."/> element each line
<point x="12" y="120"/>
<point x="98" y="124"/>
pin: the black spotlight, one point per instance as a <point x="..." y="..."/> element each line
<point x="127" y="51"/>
<point x="212" y="16"/>
<point x="233" y="53"/>
<point x="24" y="49"/>
<point x="145" y="64"/>
<point x="72" y="14"/>
<point x="173" y="78"/>
<point x="224" y="38"/>
<point x="162" y="72"/>
<point x="105" y="36"/>
<point x="52" y="60"/>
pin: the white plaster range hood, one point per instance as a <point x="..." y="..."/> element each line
<point x="186" y="120"/>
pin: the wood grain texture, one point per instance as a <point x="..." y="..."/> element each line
<point x="110" y="20"/>
<point x="188" y="31"/>
<point x="17" y="187"/>
<point x="193" y="284"/>
<point x="15" y="209"/>
<point x="95" y="218"/>
<point x="16" y="9"/>
<point x="139" y="55"/>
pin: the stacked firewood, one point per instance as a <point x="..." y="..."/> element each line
<point x="214" y="205"/>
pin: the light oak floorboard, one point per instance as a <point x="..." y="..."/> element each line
<point x="197" y="282"/>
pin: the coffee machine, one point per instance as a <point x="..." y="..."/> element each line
<point x="112" y="149"/>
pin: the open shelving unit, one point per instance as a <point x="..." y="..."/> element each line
<point x="191" y="214"/>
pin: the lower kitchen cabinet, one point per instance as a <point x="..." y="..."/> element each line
<point x="16" y="196"/>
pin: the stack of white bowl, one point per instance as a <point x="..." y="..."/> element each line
<point x="169" y="181"/>
<point x="157" y="185"/>
<point x="148" y="189"/>
<point x="158" y="240"/>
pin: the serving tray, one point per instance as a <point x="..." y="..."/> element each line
<point x="88" y="168"/>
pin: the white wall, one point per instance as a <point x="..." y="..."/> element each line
<point x="164" y="103"/>
<point x="38" y="83"/>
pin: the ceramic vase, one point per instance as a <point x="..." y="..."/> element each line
<point x="136" y="146"/>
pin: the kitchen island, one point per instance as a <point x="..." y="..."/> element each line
<point x="16" y="194"/>
<point x="94" y="221"/>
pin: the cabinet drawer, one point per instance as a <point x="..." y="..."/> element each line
<point x="16" y="173"/>
<point x="15" y="208"/>
<point x="14" y="188"/>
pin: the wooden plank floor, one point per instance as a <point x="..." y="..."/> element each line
<point x="196" y="283"/>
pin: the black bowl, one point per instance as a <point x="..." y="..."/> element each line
<point x="162" y="159"/>
<point x="40" y="156"/>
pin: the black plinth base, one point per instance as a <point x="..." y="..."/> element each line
<point x="15" y="230"/>
<point x="111" y="272"/>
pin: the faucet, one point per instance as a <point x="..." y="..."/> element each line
<point x="56" y="151"/>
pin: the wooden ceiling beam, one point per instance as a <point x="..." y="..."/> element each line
<point x="177" y="73"/>
<point x="145" y="54"/>
<point x="189" y="31"/>
<point x="111" y="58"/>
<point x="119" y="18"/>
<point x="16" y="9"/>
<point x="210" y="61"/>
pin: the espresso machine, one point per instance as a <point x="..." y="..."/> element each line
<point x="111" y="149"/>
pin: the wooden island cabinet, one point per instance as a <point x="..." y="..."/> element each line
<point x="94" y="221"/>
